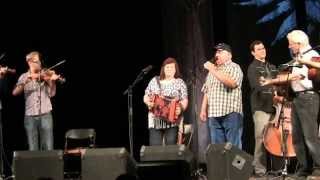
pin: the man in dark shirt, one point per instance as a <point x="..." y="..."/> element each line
<point x="261" y="101"/>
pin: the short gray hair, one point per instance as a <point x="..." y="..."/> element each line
<point x="298" y="36"/>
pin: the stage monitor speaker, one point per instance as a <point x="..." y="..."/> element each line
<point x="225" y="161"/>
<point x="38" y="165"/>
<point x="107" y="163"/>
<point x="165" y="162"/>
<point x="165" y="153"/>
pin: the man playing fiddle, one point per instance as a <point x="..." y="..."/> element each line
<point x="37" y="92"/>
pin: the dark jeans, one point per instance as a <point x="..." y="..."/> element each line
<point x="305" y="129"/>
<point x="226" y="128"/>
<point x="163" y="136"/>
<point x="39" y="127"/>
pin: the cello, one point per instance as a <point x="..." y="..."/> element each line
<point x="277" y="137"/>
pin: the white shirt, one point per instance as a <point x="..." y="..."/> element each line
<point x="306" y="83"/>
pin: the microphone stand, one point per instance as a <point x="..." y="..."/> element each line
<point x="200" y="171"/>
<point x="284" y="134"/>
<point x="130" y="107"/>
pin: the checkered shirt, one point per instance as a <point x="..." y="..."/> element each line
<point x="223" y="100"/>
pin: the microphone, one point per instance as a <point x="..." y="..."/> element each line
<point x="147" y="69"/>
<point x="290" y="65"/>
<point x="296" y="65"/>
<point x="286" y="66"/>
<point x="214" y="59"/>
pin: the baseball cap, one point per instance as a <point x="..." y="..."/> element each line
<point x="223" y="46"/>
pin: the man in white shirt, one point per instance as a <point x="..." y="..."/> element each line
<point x="305" y="105"/>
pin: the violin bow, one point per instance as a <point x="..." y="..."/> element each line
<point x="58" y="64"/>
<point x="2" y="55"/>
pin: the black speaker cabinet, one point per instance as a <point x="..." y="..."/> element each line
<point x="165" y="162"/>
<point x="38" y="165"/>
<point x="107" y="163"/>
<point x="165" y="153"/>
<point x="225" y="161"/>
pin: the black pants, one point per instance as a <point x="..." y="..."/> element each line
<point x="163" y="136"/>
<point x="305" y="129"/>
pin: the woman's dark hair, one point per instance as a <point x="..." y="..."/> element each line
<point x="170" y="60"/>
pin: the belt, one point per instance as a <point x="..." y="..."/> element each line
<point x="305" y="92"/>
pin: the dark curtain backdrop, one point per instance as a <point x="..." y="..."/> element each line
<point x="188" y="36"/>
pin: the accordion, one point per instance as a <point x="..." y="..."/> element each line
<point x="165" y="108"/>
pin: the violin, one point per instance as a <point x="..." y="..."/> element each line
<point x="313" y="73"/>
<point x="5" y="70"/>
<point x="46" y="75"/>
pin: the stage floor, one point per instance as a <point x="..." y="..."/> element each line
<point x="288" y="177"/>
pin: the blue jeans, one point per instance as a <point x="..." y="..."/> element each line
<point x="226" y="128"/>
<point x="163" y="136"/>
<point x="39" y="127"/>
